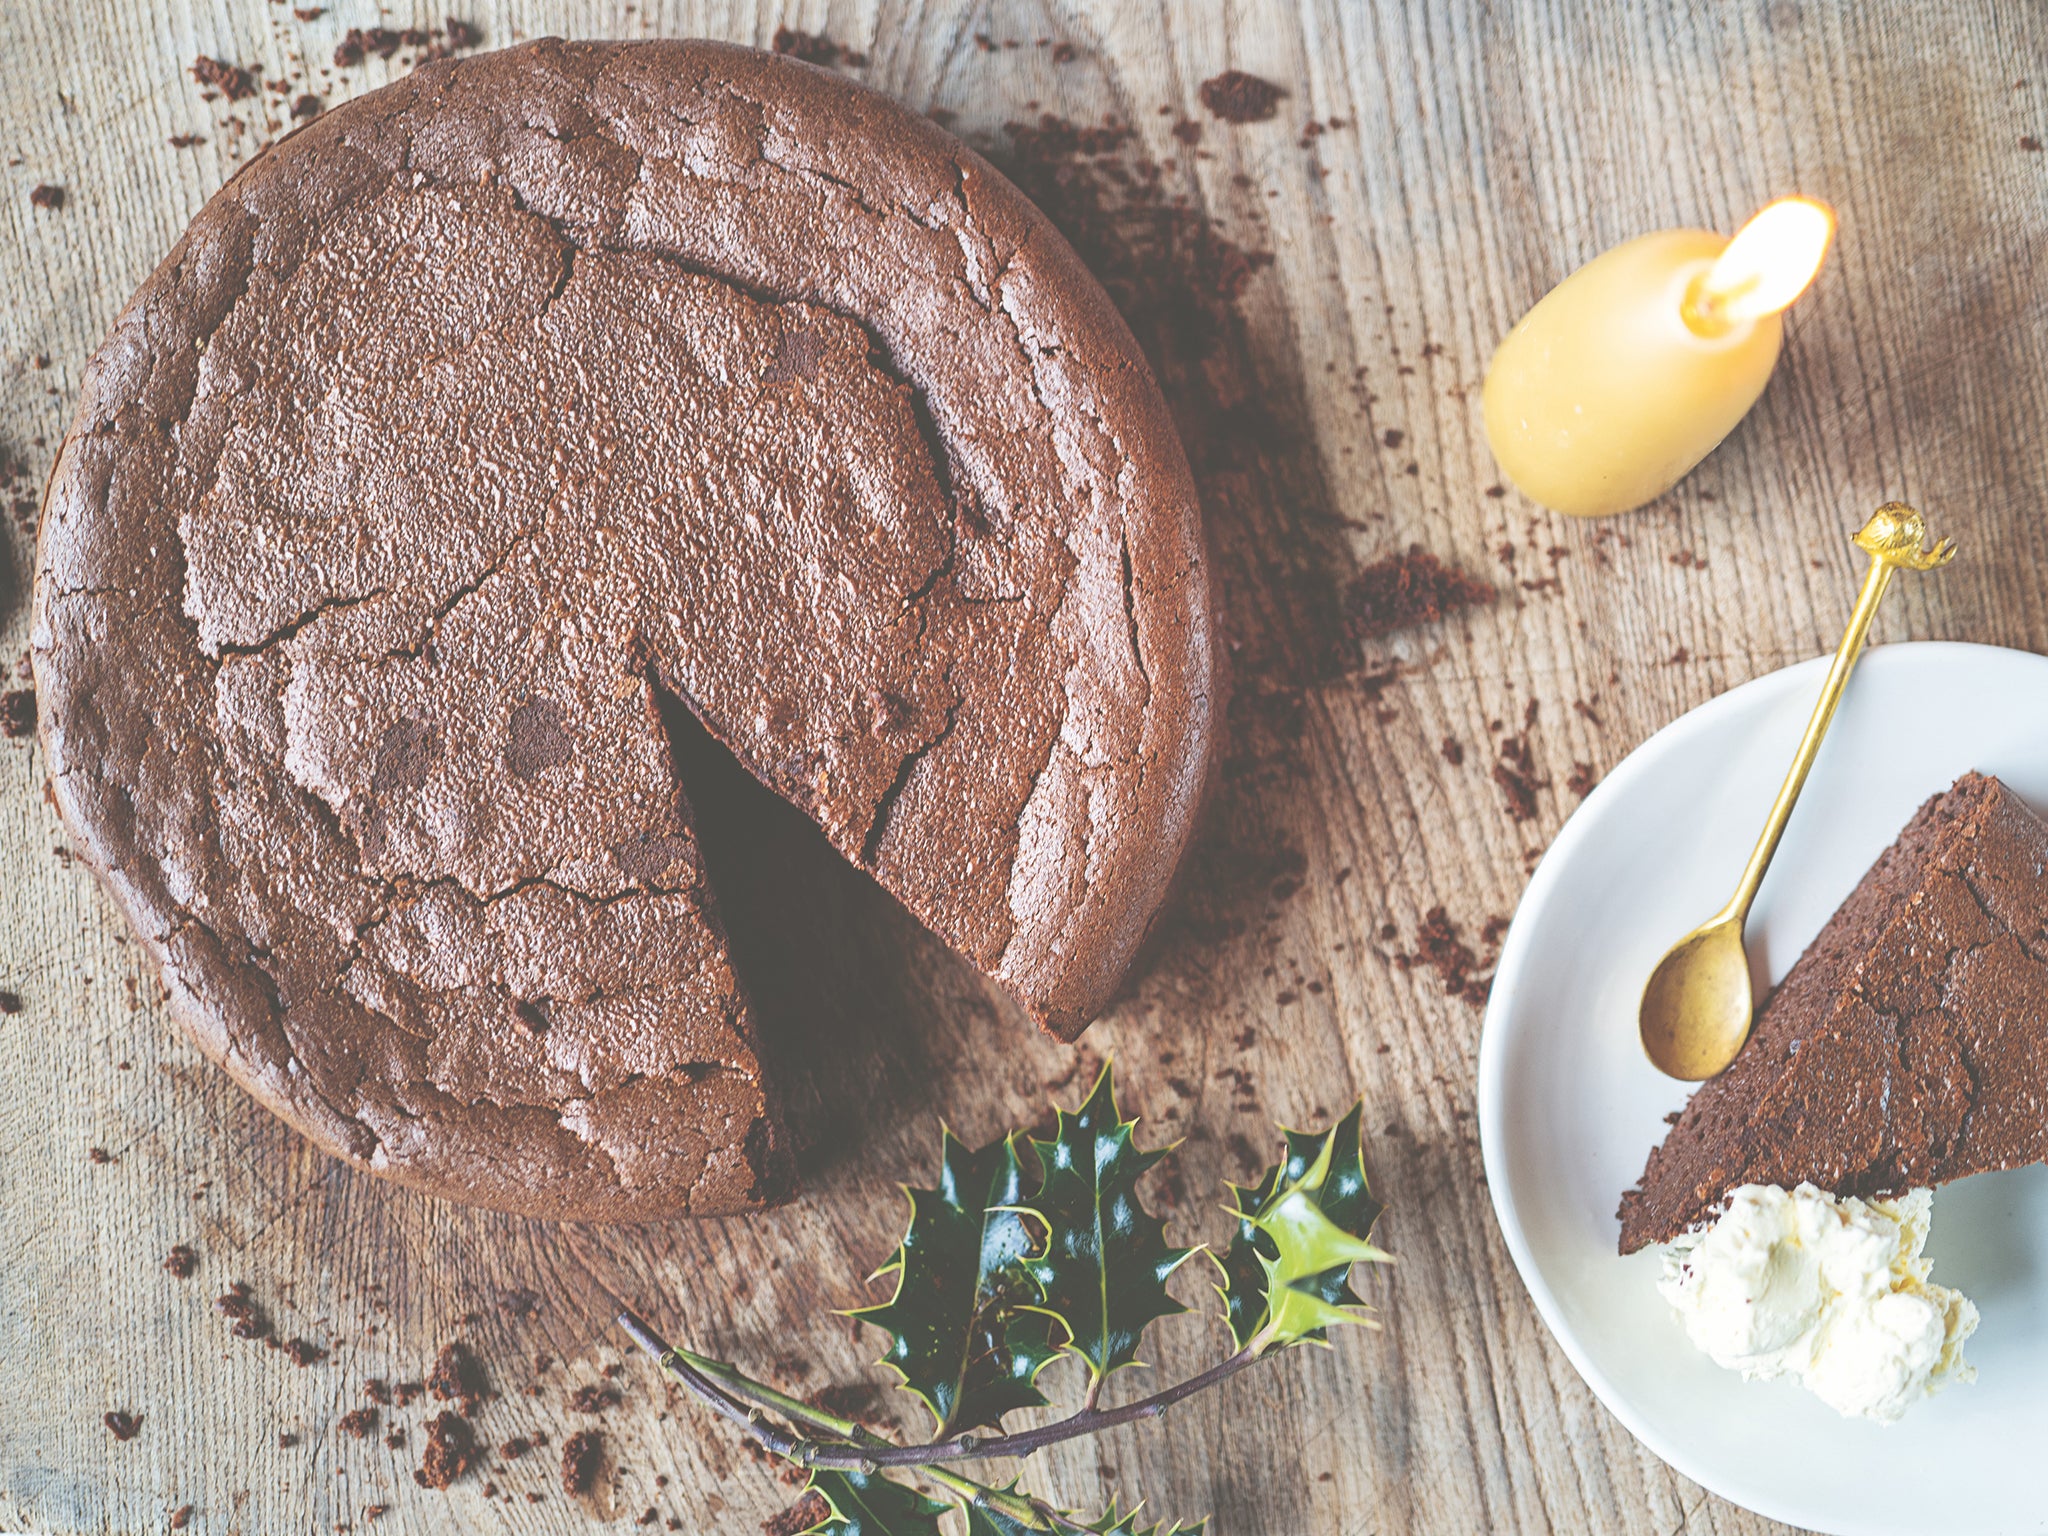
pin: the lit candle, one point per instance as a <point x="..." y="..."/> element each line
<point x="1632" y="370"/>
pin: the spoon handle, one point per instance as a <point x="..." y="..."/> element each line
<point x="1846" y="656"/>
<point x="1893" y="537"/>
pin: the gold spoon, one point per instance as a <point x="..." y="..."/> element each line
<point x="1698" y="1005"/>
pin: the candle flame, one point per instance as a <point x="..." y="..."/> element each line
<point x="1765" y="267"/>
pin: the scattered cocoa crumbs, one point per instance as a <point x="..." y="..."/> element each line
<point x="515" y="1448"/>
<point x="231" y="80"/>
<point x="816" y="48"/>
<point x="405" y="1392"/>
<point x="1678" y="658"/>
<point x="1581" y="779"/>
<point x="1439" y="946"/>
<point x="582" y="1456"/>
<point x="181" y="1261"/>
<point x="1237" y="97"/>
<point x="1585" y="710"/>
<point x="378" y="1390"/>
<point x="102" y="1156"/>
<point x="376" y="1511"/>
<point x="181" y="1517"/>
<point x="18" y="713"/>
<point x="10" y="1002"/>
<point x="186" y="140"/>
<point x="309" y="12"/>
<point x="307" y="106"/>
<point x="394" y="1439"/>
<point x="1453" y="751"/>
<point x="457" y="1377"/>
<point x="1404" y="590"/>
<point x="121" y="1424"/>
<point x="451" y="1451"/>
<point x="1686" y="560"/>
<point x="594" y="1399"/>
<point x="304" y="1352"/>
<point x="1515" y="773"/>
<point x="47" y="196"/>
<point x="287" y="1440"/>
<point x="1064" y="53"/>
<point x="808" y="1511"/>
<point x="358" y="1422"/>
<point x="2030" y="144"/>
<point x="1393" y="437"/>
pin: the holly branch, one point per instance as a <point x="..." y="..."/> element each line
<point x="1030" y="1250"/>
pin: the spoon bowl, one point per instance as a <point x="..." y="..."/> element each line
<point x="1698" y="1004"/>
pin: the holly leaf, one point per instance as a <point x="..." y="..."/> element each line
<point x="983" y="1521"/>
<point x="1299" y="1231"/>
<point x="858" y="1504"/>
<point x="957" y="1338"/>
<point x="1103" y="1270"/>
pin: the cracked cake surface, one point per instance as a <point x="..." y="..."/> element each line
<point x="484" y="419"/>
<point x="1907" y="1047"/>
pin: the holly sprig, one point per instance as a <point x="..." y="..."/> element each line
<point x="1031" y="1250"/>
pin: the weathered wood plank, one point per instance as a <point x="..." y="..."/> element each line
<point x="1489" y="148"/>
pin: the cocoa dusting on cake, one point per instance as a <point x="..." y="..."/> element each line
<point x="182" y="1261"/>
<point x="1904" y="1048"/>
<point x="1237" y="97"/>
<point x="121" y="1424"/>
<point x="450" y="1452"/>
<point x="231" y="80"/>
<point x="1405" y="590"/>
<point x="582" y="1457"/>
<point x="458" y="1377"/>
<point x="358" y="1422"/>
<point x="47" y="196"/>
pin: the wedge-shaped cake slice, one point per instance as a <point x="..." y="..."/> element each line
<point x="1907" y="1047"/>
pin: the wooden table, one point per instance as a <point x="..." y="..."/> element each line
<point x="1484" y="150"/>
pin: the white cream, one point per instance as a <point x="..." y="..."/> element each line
<point x="1833" y="1292"/>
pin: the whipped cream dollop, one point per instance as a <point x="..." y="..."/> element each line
<point x="1833" y="1291"/>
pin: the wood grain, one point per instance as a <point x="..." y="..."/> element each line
<point x="1491" y="148"/>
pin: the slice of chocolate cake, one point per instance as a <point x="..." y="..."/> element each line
<point x="1906" y="1048"/>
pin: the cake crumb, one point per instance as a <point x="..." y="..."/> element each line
<point x="582" y="1455"/>
<point x="181" y="1261"/>
<point x="47" y="196"/>
<point x="451" y="1451"/>
<point x="121" y="1424"/>
<point x="1237" y="97"/>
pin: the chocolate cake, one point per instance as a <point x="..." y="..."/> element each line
<point x="1906" y="1048"/>
<point x="496" y="416"/>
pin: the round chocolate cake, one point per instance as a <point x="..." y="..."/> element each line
<point x="481" y="426"/>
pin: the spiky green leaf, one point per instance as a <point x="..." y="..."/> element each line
<point x="1103" y="1270"/>
<point x="957" y="1336"/>
<point x="863" y="1505"/>
<point x="1321" y="1176"/>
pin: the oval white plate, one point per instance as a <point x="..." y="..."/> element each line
<point x="1569" y="1107"/>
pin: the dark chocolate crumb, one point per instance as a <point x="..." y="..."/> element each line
<point x="287" y="1440"/>
<point x="102" y="1156"/>
<point x="307" y="106"/>
<point x="582" y="1456"/>
<point x="1581" y="779"/>
<point x="121" y="1424"/>
<point x="231" y="80"/>
<point x="515" y="1448"/>
<point x="186" y="140"/>
<point x="594" y="1399"/>
<point x="10" y="1002"/>
<point x="47" y="196"/>
<point x="1237" y="97"/>
<point x="181" y="1517"/>
<point x="451" y="1451"/>
<point x="358" y="1422"/>
<point x="378" y="1390"/>
<point x="2030" y="144"/>
<point x="1453" y="751"/>
<point x="458" y="1378"/>
<point x="395" y="1439"/>
<point x="181" y="1261"/>
<point x="815" y="48"/>
<point x="305" y="1352"/>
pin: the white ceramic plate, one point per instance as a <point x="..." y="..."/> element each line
<point x="1569" y="1107"/>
